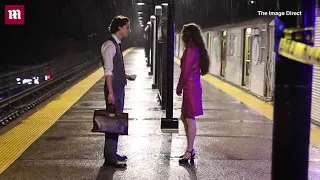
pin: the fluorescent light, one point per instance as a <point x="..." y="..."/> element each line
<point x="140" y="4"/>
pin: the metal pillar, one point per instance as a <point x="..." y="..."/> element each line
<point x="291" y="128"/>
<point x="162" y="94"/>
<point x="160" y="75"/>
<point x="169" y="122"/>
<point x="153" y="43"/>
<point x="145" y="42"/>
<point x="149" y="43"/>
<point x="158" y="13"/>
<point x="146" y="34"/>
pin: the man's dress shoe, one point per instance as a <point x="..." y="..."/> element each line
<point x="114" y="163"/>
<point x="121" y="158"/>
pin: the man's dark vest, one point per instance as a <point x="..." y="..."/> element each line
<point x="119" y="76"/>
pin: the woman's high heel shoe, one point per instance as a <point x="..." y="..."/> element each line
<point x="185" y="160"/>
<point x="183" y="155"/>
<point x="188" y="152"/>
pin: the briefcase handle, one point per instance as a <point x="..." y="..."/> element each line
<point x="111" y="110"/>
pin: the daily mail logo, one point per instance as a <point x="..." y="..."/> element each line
<point x="14" y="14"/>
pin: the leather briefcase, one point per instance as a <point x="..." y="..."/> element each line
<point x="110" y="122"/>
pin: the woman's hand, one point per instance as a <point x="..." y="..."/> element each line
<point x="178" y="92"/>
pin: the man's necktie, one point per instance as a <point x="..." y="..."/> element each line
<point x="121" y="50"/>
<point x="120" y="47"/>
<point x="123" y="63"/>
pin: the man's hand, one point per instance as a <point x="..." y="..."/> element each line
<point x="131" y="77"/>
<point x="111" y="99"/>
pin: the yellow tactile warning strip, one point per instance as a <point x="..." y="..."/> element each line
<point x="17" y="140"/>
<point x="253" y="102"/>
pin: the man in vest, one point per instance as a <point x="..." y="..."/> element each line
<point x="115" y="81"/>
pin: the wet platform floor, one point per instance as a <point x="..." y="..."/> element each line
<point x="232" y="143"/>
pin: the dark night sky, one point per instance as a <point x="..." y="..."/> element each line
<point x="49" y="23"/>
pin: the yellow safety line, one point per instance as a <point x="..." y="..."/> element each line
<point x="17" y="140"/>
<point x="253" y="102"/>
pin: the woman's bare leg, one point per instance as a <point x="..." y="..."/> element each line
<point x="191" y="131"/>
<point x="185" y="125"/>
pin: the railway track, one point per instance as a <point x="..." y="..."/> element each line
<point x="18" y="104"/>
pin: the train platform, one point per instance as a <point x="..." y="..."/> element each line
<point x="55" y="142"/>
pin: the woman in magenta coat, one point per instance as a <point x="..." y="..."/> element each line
<point x="194" y="63"/>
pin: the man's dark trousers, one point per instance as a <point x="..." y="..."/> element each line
<point x="111" y="140"/>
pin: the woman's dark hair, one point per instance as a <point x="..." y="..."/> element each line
<point x="191" y="34"/>
<point x="116" y="22"/>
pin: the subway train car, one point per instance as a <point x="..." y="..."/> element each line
<point x="243" y="55"/>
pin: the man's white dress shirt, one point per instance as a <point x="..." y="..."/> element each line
<point x="108" y="50"/>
